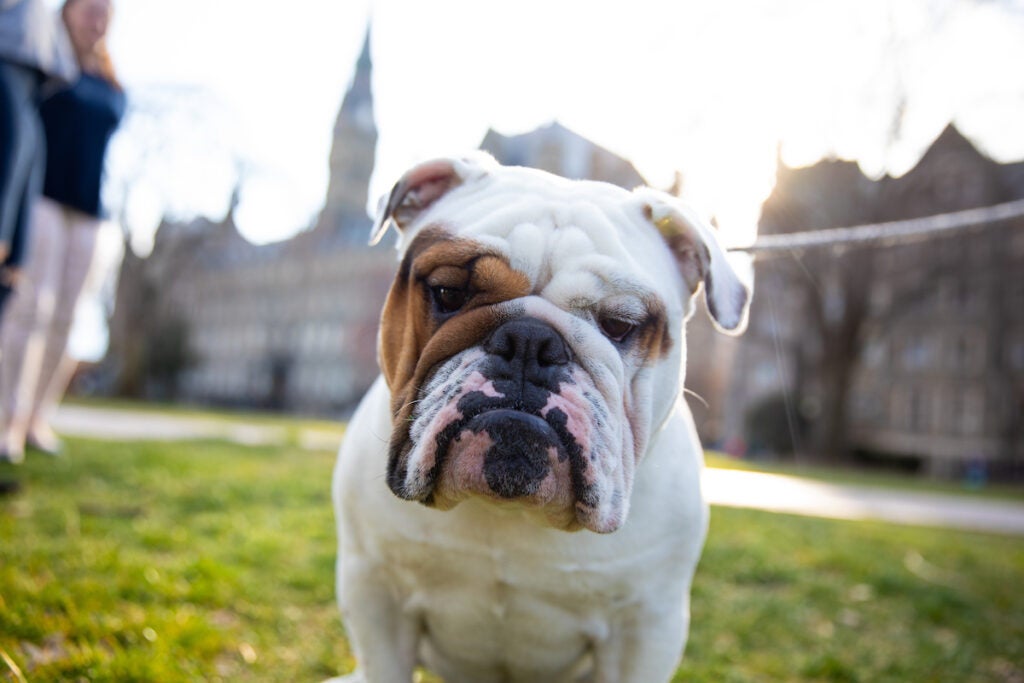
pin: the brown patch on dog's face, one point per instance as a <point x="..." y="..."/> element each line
<point x="651" y="340"/>
<point x="440" y="303"/>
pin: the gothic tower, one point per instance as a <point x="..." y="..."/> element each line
<point x="352" y="157"/>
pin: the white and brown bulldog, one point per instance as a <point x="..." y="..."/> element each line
<point x="518" y="496"/>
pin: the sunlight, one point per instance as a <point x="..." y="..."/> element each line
<point x="716" y="91"/>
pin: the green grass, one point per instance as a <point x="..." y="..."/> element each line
<point x="208" y="561"/>
<point x="170" y="562"/>
<point x="781" y="598"/>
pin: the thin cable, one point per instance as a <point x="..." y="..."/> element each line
<point x="891" y="232"/>
<point x="787" y="402"/>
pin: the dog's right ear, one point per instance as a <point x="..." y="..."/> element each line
<point x="423" y="185"/>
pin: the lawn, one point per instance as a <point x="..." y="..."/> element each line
<point x="211" y="561"/>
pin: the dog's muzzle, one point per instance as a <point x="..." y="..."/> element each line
<point x="493" y="422"/>
<point x="527" y="362"/>
<point x="508" y="441"/>
<point x="518" y="420"/>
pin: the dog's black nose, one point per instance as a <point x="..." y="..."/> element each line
<point x="528" y="348"/>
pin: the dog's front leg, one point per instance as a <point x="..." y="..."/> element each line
<point x="383" y="636"/>
<point x="643" y="647"/>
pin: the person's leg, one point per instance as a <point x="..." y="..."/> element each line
<point x="22" y="158"/>
<point x="26" y="323"/>
<point x="57" y="366"/>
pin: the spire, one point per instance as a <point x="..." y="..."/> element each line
<point x="365" y="63"/>
<point x="236" y="199"/>
<point x="352" y="155"/>
<point x="359" y="97"/>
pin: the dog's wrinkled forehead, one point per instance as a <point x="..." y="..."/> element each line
<point x="573" y="241"/>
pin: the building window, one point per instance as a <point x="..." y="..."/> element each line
<point x="1015" y="352"/>
<point x="979" y="250"/>
<point x="938" y="399"/>
<point x="969" y="351"/>
<point x="919" y="412"/>
<point x="881" y="297"/>
<point x="1015" y="292"/>
<point x="969" y="406"/>
<point x="918" y="352"/>
<point x="876" y="354"/>
<point x="947" y="295"/>
<point x="899" y="408"/>
<point x="868" y="406"/>
<point x="974" y="411"/>
<point x="1017" y="243"/>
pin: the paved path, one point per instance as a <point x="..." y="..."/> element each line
<point x="794" y="495"/>
<point x="142" y="425"/>
<point x="136" y="425"/>
<point x="731" y="488"/>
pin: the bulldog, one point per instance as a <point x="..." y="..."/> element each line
<point x="518" y="495"/>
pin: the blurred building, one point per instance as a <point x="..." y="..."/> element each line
<point x="911" y="352"/>
<point x="556" y="149"/>
<point x="209" y="317"/>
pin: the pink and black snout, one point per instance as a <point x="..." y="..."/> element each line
<point x="527" y="362"/>
<point x="516" y="422"/>
<point x="514" y="418"/>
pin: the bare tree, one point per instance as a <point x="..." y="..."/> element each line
<point x="168" y="133"/>
<point x="831" y="289"/>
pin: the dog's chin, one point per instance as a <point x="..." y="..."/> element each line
<point x="513" y="461"/>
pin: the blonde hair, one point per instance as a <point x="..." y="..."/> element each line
<point x="100" y="55"/>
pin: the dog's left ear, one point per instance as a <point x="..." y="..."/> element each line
<point x="423" y="185"/>
<point x="701" y="258"/>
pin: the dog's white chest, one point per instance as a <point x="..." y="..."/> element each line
<point x="493" y="595"/>
<point x="507" y="599"/>
<point x="485" y="607"/>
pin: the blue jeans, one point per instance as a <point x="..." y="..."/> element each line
<point x="22" y="158"/>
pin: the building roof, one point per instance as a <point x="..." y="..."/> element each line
<point x="559" y="150"/>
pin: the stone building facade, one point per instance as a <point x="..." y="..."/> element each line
<point x="927" y="337"/>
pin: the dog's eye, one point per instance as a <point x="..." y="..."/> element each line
<point x="449" y="299"/>
<point x="615" y="329"/>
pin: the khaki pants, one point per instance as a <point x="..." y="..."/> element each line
<point x="34" y="369"/>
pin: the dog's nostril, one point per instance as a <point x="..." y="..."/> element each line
<point x="553" y="351"/>
<point x="531" y="341"/>
<point x="503" y="344"/>
<point x="550" y="350"/>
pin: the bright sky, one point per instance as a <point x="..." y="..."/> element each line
<point x="710" y="88"/>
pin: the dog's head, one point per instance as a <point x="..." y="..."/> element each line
<point x="533" y="337"/>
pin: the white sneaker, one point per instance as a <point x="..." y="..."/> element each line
<point x="12" y="457"/>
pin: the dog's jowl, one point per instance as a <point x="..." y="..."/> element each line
<point x="518" y="496"/>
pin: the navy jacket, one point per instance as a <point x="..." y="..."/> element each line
<point x="79" y="122"/>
